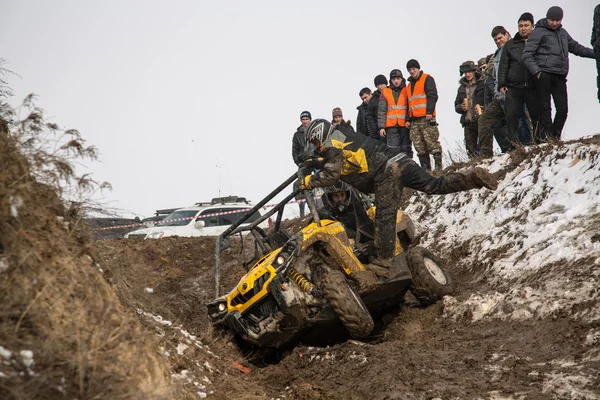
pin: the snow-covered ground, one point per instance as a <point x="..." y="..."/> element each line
<point x="543" y="219"/>
<point x="536" y="241"/>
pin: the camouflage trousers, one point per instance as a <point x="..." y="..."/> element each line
<point x="402" y="171"/>
<point x="425" y="137"/>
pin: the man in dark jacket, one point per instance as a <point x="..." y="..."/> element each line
<point x="516" y="82"/>
<point x="469" y="103"/>
<point x="299" y="151"/>
<point x="361" y="119"/>
<point x="596" y="43"/>
<point x="487" y="126"/>
<point x="546" y="56"/>
<point x="372" y="167"/>
<point x="298" y="141"/>
<point x="372" y="108"/>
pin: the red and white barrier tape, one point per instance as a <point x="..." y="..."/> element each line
<point x="188" y="218"/>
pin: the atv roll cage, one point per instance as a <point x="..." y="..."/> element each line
<point x="222" y="241"/>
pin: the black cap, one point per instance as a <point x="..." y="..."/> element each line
<point x="526" y="17"/>
<point x="555" y="13"/>
<point x="380" y="80"/>
<point x="413" y="64"/>
<point x="396" y="73"/>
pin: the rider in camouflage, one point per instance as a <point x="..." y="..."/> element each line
<point x="372" y="167"/>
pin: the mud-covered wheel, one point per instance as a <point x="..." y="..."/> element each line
<point x="430" y="281"/>
<point x="347" y="305"/>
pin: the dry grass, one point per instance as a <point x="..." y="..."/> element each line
<point x="54" y="301"/>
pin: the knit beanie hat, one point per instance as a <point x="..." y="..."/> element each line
<point x="555" y="13"/>
<point x="305" y="114"/>
<point x="337" y="112"/>
<point x="526" y="17"/>
<point x="396" y="73"/>
<point x="413" y="64"/>
<point x="380" y="80"/>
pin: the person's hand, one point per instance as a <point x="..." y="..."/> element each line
<point x="313" y="163"/>
<point x="463" y="107"/>
<point x="503" y="90"/>
<point x="305" y="183"/>
<point x="539" y="74"/>
<point x="428" y="117"/>
<point x="407" y="125"/>
<point x="382" y="132"/>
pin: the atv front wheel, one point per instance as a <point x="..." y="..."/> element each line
<point x="430" y="282"/>
<point x="347" y="305"/>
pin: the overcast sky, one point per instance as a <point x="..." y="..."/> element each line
<point x="184" y="97"/>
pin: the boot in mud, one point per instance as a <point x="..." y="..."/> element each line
<point x="425" y="161"/>
<point x="483" y="178"/>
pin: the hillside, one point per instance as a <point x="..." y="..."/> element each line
<point x="523" y="324"/>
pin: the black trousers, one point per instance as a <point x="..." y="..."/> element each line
<point x="552" y="87"/>
<point x="515" y="98"/>
<point x="597" y="53"/>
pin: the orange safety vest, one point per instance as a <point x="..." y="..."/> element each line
<point x="396" y="112"/>
<point x="417" y="101"/>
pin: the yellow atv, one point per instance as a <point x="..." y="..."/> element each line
<point x="299" y="285"/>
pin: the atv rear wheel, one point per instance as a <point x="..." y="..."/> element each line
<point x="430" y="281"/>
<point x="347" y="305"/>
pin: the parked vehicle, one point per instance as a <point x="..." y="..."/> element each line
<point x="203" y="219"/>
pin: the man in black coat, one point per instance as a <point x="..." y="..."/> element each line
<point x="361" y="120"/>
<point x="469" y="103"/>
<point x="372" y="130"/>
<point x="596" y="43"/>
<point x="299" y="141"/>
<point x="546" y="55"/>
<point x="516" y="82"/>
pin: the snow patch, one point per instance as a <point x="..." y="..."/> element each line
<point x="5" y="353"/>
<point x="15" y="202"/>
<point x="3" y="265"/>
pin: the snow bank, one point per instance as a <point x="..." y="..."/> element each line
<point x="535" y="239"/>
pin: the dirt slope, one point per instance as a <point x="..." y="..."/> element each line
<point x="127" y="319"/>
<point x="521" y="325"/>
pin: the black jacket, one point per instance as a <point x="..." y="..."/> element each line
<point x="512" y="71"/>
<point x="476" y="99"/>
<point x="361" y="119"/>
<point x="430" y="91"/>
<point x="372" y="107"/>
<point x="595" y="42"/>
<point x="547" y="50"/>
<point x="299" y="146"/>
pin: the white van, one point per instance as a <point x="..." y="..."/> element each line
<point x="205" y="219"/>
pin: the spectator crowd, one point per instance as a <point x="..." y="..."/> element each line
<point x="506" y="96"/>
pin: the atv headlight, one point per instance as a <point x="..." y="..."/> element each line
<point x="222" y="307"/>
<point x="280" y="260"/>
<point x="155" y="235"/>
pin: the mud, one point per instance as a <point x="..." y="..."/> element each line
<point x="421" y="355"/>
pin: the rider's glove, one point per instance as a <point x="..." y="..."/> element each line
<point x="313" y="163"/>
<point x="305" y="183"/>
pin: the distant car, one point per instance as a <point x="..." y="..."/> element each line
<point x="152" y="221"/>
<point x="205" y="219"/>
